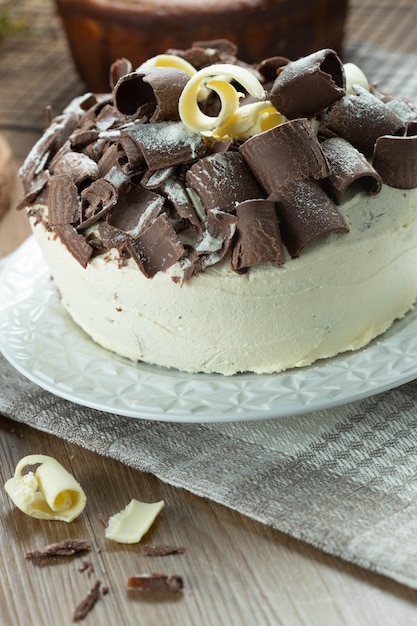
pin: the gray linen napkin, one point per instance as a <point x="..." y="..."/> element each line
<point x="342" y="479"/>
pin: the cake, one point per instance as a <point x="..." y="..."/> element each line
<point x="100" y="31"/>
<point x="211" y="215"/>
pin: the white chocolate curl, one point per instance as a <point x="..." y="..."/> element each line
<point x="354" y="76"/>
<point x="169" y="60"/>
<point x="232" y="120"/>
<point x="250" y="120"/>
<point x="49" y="493"/>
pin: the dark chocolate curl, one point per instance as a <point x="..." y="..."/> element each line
<point x="77" y="165"/>
<point x="153" y="180"/>
<point x="305" y="87"/>
<point x="287" y="152"/>
<point x="165" y="143"/>
<point x="75" y="243"/>
<point x="395" y="158"/>
<point x="222" y="227"/>
<point x="157" y="248"/>
<point x="258" y="235"/>
<point x="268" y="68"/>
<point x="136" y="210"/>
<point x="51" y="141"/>
<point x="119" y="68"/>
<point x="159" y="86"/>
<point x="361" y="119"/>
<point x="96" y="201"/>
<point x="348" y="165"/>
<point x="63" y="202"/>
<point x="305" y="212"/>
<point x="177" y="195"/>
<point x="222" y="180"/>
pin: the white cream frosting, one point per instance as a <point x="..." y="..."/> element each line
<point x="342" y="292"/>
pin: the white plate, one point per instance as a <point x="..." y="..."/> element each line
<point x="40" y="340"/>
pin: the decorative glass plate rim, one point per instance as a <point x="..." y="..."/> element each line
<point x="41" y="341"/>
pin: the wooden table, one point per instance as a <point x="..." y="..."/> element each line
<point x="236" y="572"/>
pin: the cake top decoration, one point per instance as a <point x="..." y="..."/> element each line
<point x="196" y="156"/>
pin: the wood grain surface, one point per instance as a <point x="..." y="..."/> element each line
<point x="236" y="571"/>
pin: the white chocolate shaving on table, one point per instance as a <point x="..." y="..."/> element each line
<point x="354" y="76"/>
<point x="233" y="120"/>
<point x="169" y="60"/>
<point x="134" y="521"/>
<point x="49" y="493"/>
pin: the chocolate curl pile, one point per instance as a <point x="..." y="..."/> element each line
<point x="287" y="160"/>
<point x="120" y="171"/>
<point x="305" y="87"/>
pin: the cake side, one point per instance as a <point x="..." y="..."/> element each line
<point x="338" y="296"/>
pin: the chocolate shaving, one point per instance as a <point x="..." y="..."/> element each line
<point x="75" y="243"/>
<point x="161" y="550"/>
<point x="109" y="160"/>
<point x="77" y="165"/>
<point x="63" y="204"/>
<point x="156" y="582"/>
<point x="132" y="160"/>
<point x="305" y="213"/>
<point x="119" y="68"/>
<point x="136" y="210"/>
<point x="159" y="86"/>
<point x="305" y="87"/>
<point x="177" y="195"/>
<point x="38" y="157"/>
<point x="285" y="153"/>
<point x="165" y="143"/>
<point x="221" y="227"/>
<point x="153" y="180"/>
<point x="80" y="139"/>
<point x="204" y="53"/>
<point x="258" y="237"/>
<point x="96" y="201"/>
<point x="222" y="180"/>
<point x="348" y="165"/>
<point x="361" y="119"/>
<point x="157" y="248"/>
<point x="112" y="237"/>
<point x="85" y="606"/>
<point x="68" y="547"/>
<point x="395" y="159"/>
<point x="37" y="185"/>
<point x="268" y="68"/>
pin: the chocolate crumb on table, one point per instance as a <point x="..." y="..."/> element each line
<point x="156" y="582"/>
<point x="68" y="547"/>
<point x="87" y="604"/>
<point x="161" y="550"/>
